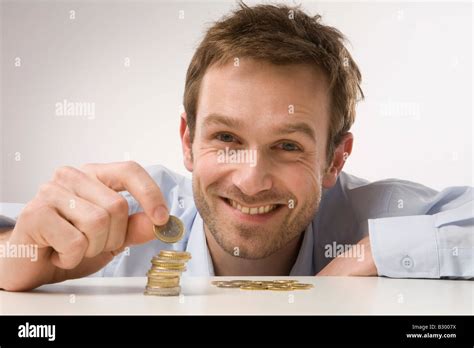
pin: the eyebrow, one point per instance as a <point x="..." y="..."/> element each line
<point x="299" y="127"/>
<point x="219" y="119"/>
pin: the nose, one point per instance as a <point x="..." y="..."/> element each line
<point x="252" y="179"/>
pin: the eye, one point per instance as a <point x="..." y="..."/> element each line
<point x="289" y="147"/>
<point x="225" y="137"/>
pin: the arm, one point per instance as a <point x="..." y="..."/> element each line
<point x="414" y="232"/>
<point x="437" y="244"/>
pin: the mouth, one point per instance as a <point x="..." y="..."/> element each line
<point x="256" y="211"/>
<point x="262" y="209"/>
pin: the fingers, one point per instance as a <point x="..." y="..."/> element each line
<point x="69" y="244"/>
<point x="90" y="219"/>
<point x="132" y="177"/>
<point x="100" y="195"/>
<point x="87" y="200"/>
<point x="140" y="230"/>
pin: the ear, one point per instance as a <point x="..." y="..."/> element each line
<point x="341" y="153"/>
<point x="186" y="143"/>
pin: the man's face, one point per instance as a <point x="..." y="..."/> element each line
<point x="259" y="154"/>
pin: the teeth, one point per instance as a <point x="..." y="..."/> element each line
<point x="254" y="210"/>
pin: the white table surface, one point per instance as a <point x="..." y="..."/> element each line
<point x="330" y="295"/>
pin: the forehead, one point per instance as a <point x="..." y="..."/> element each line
<point x="258" y="91"/>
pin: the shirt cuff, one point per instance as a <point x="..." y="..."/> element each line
<point x="405" y="247"/>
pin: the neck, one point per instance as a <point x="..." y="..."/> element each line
<point x="277" y="264"/>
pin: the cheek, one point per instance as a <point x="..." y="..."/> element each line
<point x="302" y="179"/>
<point x="206" y="167"/>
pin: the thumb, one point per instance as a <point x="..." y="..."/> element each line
<point x="140" y="229"/>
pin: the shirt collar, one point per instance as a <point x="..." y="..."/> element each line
<point x="201" y="261"/>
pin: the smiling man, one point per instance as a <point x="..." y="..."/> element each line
<point x="245" y="106"/>
<point x="269" y="100"/>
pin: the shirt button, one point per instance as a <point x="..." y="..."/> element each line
<point x="407" y="262"/>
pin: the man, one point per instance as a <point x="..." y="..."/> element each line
<point x="269" y="100"/>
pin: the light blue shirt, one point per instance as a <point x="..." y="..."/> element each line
<point x="415" y="231"/>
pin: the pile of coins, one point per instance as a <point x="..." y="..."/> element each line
<point x="274" y="285"/>
<point x="165" y="273"/>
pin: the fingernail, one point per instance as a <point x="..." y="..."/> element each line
<point x="161" y="215"/>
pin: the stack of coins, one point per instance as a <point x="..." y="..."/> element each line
<point x="274" y="285"/>
<point x="165" y="273"/>
<point x="167" y="266"/>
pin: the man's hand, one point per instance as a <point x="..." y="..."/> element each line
<point x="349" y="265"/>
<point x="79" y="222"/>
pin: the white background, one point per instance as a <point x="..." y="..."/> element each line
<point x="415" y="58"/>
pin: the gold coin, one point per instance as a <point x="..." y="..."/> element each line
<point x="164" y="281"/>
<point x="165" y="269"/>
<point x="172" y="232"/>
<point x="271" y="285"/>
<point x="238" y="283"/>
<point x="162" y="284"/>
<point x="166" y="264"/>
<point x="167" y="260"/>
<point x="158" y="269"/>
<point x="173" y="254"/>
<point x="279" y="287"/>
<point x="161" y="273"/>
<point x="301" y="286"/>
<point x="228" y="285"/>
<point x="252" y="287"/>
<point x="163" y="291"/>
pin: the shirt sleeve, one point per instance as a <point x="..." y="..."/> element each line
<point x="435" y="242"/>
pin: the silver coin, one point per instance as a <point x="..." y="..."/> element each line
<point x="172" y="232"/>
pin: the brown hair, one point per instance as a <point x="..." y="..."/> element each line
<point x="280" y="34"/>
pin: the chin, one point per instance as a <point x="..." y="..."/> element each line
<point x="245" y="246"/>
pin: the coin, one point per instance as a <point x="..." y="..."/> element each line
<point x="162" y="273"/>
<point x="162" y="283"/>
<point x="301" y="286"/>
<point x="163" y="291"/>
<point x="279" y="287"/>
<point x="284" y="281"/>
<point x="172" y="232"/>
<point x="165" y="273"/>
<point x="253" y="287"/>
<point x="168" y="265"/>
<point x="228" y="285"/>
<point x="173" y="255"/>
<point x="269" y="285"/>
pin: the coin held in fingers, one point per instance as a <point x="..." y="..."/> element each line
<point x="172" y="232"/>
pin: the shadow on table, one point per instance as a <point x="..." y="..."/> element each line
<point x="89" y="290"/>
